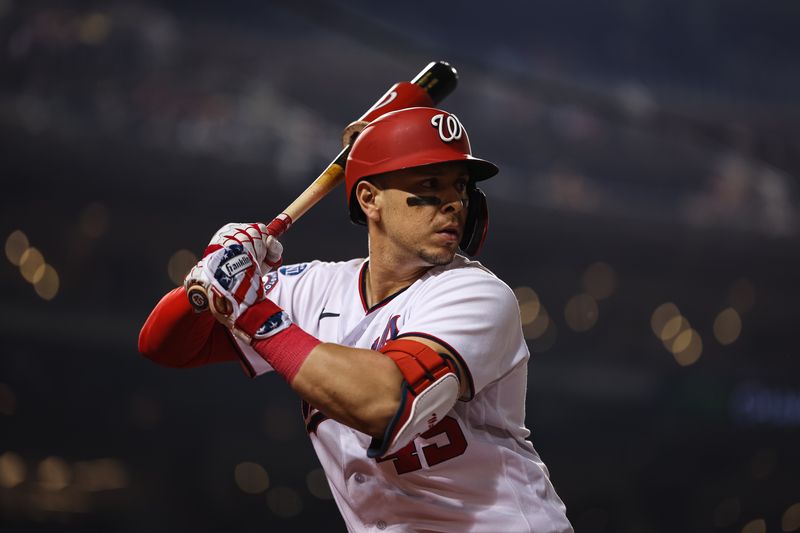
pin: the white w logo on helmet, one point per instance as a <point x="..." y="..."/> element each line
<point x="454" y="129"/>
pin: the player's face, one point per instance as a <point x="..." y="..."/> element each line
<point x="424" y="210"/>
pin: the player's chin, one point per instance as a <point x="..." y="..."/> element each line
<point x="439" y="255"/>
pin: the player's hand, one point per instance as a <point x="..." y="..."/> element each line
<point x="197" y="276"/>
<point x="236" y="296"/>
<point x="266" y="250"/>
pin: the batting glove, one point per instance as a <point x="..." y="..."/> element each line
<point x="236" y="287"/>
<point x="266" y="250"/>
<point x="265" y="334"/>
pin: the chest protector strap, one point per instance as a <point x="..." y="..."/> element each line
<point x="430" y="389"/>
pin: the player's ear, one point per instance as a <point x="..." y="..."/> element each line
<point x="368" y="196"/>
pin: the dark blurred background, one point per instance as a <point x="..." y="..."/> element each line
<point x="646" y="215"/>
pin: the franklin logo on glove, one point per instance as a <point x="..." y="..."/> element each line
<point x="236" y="265"/>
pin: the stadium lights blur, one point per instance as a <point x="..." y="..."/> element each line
<point x="32" y="265"/>
<point x="100" y="475"/>
<point x="284" y="502"/>
<point x="534" y="317"/>
<point x="727" y="326"/>
<point x="599" y="280"/>
<point x="12" y="470"/>
<point x="676" y="333"/>
<point x="581" y="312"/>
<point x="94" y="29"/>
<point x="687" y="347"/>
<point x="179" y="265"/>
<point x="54" y="474"/>
<point x="791" y="518"/>
<point x="318" y="484"/>
<point x="16" y="244"/>
<point x="759" y="525"/>
<point x="529" y="304"/>
<point x="251" y="477"/>
<point x="661" y="316"/>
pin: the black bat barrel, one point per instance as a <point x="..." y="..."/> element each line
<point x="438" y="79"/>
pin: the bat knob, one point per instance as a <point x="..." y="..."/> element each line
<point x="198" y="298"/>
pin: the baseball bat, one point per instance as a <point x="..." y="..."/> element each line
<point x="437" y="80"/>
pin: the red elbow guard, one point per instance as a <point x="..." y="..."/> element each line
<point x="430" y="389"/>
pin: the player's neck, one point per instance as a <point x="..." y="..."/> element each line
<point x="386" y="275"/>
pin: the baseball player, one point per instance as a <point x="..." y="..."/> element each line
<point x="411" y="364"/>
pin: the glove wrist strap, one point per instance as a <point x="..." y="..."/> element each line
<point x="281" y="343"/>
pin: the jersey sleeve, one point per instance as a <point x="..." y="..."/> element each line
<point x="175" y="336"/>
<point x="474" y="315"/>
<point x="300" y="290"/>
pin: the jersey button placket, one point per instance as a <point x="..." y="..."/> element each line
<point x="360" y="478"/>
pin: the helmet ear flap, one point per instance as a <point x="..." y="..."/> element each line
<point x="477" y="224"/>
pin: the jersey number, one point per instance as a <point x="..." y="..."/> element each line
<point x="407" y="459"/>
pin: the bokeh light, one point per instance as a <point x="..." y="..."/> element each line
<point x="16" y="244"/>
<point x="529" y="304"/>
<point x="317" y="484"/>
<point x="280" y="423"/>
<point x="538" y="326"/>
<point x="599" y="280"/>
<point x="581" y="312"/>
<point x="284" y="502"/>
<point x="179" y="265"/>
<point x="546" y="340"/>
<point x="790" y="521"/>
<point x="95" y="220"/>
<point x="54" y="473"/>
<point x="100" y="475"/>
<point x="94" y="29"/>
<point x="673" y="328"/>
<point x="251" y="477"/>
<point x="661" y="316"/>
<point x="687" y="347"/>
<point x="48" y="283"/>
<point x="759" y="525"/>
<point x="727" y="326"/>
<point x="30" y="263"/>
<point x="12" y="470"/>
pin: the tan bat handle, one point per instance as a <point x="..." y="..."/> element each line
<point x="325" y="183"/>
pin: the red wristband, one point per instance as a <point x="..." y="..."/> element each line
<point x="286" y="348"/>
<point x="286" y="351"/>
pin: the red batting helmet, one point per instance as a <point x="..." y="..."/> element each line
<point x="415" y="137"/>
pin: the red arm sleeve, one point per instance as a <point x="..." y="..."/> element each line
<point x="175" y="336"/>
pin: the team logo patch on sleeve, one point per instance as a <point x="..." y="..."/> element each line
<point x="293" y="270"/>
<point x="274" y="324"/>
<point x="270" y="280"/>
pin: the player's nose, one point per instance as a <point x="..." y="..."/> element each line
<point x="454" y="201"/>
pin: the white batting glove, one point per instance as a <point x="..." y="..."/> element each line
<point x="266" y="250"/>
<point x="236" y="289"/>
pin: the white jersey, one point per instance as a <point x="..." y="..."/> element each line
<point x="475" y="470"/>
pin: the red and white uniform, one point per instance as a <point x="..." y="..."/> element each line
<point x="474" y="470"/>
